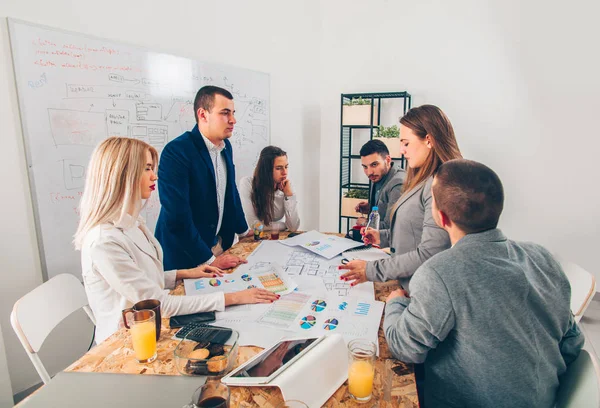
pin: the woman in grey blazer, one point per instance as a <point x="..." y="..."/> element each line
<point x="427" y="140"/>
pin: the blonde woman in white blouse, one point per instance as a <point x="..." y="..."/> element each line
<point x="267" y="196"/>
<point x="120" y="258"/>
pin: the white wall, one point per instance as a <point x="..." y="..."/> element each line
<point x="269" y="36"/>
<point x="520" y="82"/>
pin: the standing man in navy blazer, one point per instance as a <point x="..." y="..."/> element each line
<point x="201" y="208"/>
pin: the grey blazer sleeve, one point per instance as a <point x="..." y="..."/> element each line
<point x="433" y="240"/>
<point x="417" y="325"/>
<point x="391" y="195"/>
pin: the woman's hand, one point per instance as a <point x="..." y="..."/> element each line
<point x="286" y="187"/>
<point x="370" y="236"/>
<point x="357" y="272"/>
<point x="202" y="271"/>
<point x="250" y="296"/>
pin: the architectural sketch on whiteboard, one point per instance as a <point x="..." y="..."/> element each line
<point x="75" y="91"/>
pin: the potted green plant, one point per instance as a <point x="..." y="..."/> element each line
<point x="357" y="112"/>
<point x="391" y="137"/>
<point x="351" y="199"/>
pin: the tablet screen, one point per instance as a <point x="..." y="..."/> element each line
<point x="275" y="359"/>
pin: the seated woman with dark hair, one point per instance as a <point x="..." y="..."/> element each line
<point x="267" y="196"/>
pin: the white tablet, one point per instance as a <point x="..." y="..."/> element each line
<point x="271" y="362"/>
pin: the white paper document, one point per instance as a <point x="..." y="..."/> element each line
<point x="312" y="273"/>
<point x="327" y="246"/>
<point x="269" y="276"/>
<point x="315" y="315"/>
<point x="314" y="300"/>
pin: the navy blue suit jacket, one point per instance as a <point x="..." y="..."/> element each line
<point x="187" y="224"/>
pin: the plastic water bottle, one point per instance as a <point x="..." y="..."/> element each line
<point x="373" y="219"/>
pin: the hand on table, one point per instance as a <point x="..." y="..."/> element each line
<point x="202" y="271"/>
<point x="397" y="293"/>
<point x="250" y="296"/>
<point x="357" y="272"/>
<point x="227" y="261"/>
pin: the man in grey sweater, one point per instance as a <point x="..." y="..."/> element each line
<point x="387" y="178"/>
<point x="489" y="317"/>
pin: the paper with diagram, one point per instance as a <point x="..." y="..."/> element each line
<point x="303" y="313"/>
<point x="327" y="246"/>
<point x="320" y="303"/>
<point x="312" y="273"/>
<point x="269" y="276"/>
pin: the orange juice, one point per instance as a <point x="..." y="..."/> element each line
<point x="143" y="337"/>
<point x="360" y="379"/>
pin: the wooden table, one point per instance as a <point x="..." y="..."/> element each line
<point x="115" y="355"/>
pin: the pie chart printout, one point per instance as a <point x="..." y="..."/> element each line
<point x="330" y="324"/>
<point x="318" y="306"/>
<point x="307" y="322"/>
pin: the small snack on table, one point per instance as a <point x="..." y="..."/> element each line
<point x="205" y="357"/>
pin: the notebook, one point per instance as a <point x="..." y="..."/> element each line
<point x="365" y="254"/>
<point x="102" y="390"/>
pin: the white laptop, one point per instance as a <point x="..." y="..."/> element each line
<point x="102" y="390"/>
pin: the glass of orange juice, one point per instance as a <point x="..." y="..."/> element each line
<point x="143" y="334"/>
<point x="361" y="369"/>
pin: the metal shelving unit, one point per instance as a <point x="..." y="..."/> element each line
<point x="346" y="138"/>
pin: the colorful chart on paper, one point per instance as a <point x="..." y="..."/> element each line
<point x="307" y="322"/>
<point x="318" y="305"/>
<point x="362" y="309"/>
<point x="272" y="282"/>
<point x="330" y="324"/>
<point x="285" y="311"/>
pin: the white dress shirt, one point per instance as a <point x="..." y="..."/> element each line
<point x="122" y="265"/>
<point x="220" y="168"/>
<point x="282" y="207"/>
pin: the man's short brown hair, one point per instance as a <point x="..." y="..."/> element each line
<point x="470" y="194"/>
<point x="205" y="98"/>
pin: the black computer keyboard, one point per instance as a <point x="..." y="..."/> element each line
<point x="202" y="332"/>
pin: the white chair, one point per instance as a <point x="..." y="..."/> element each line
<point x="36" y="314"/>
<point x="583" y="287"/>
<point x="580" y="385"/>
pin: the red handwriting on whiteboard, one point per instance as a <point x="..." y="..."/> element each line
<point x="43" y="43"/>
<point x="44" y="63"/>
<point x="58" y="197"/>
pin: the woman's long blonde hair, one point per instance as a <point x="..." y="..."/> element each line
<point x="112" y="185"/>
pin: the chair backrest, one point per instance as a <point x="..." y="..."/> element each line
<point x="580" y="385"/>
<point x="583" y="287"/>
<point x="36" y="314"/>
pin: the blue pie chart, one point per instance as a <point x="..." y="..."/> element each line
<point x="330" y="324"/>
<point x="307" y="322"/>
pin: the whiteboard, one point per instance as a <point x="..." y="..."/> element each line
<point x="75" y="90"/>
